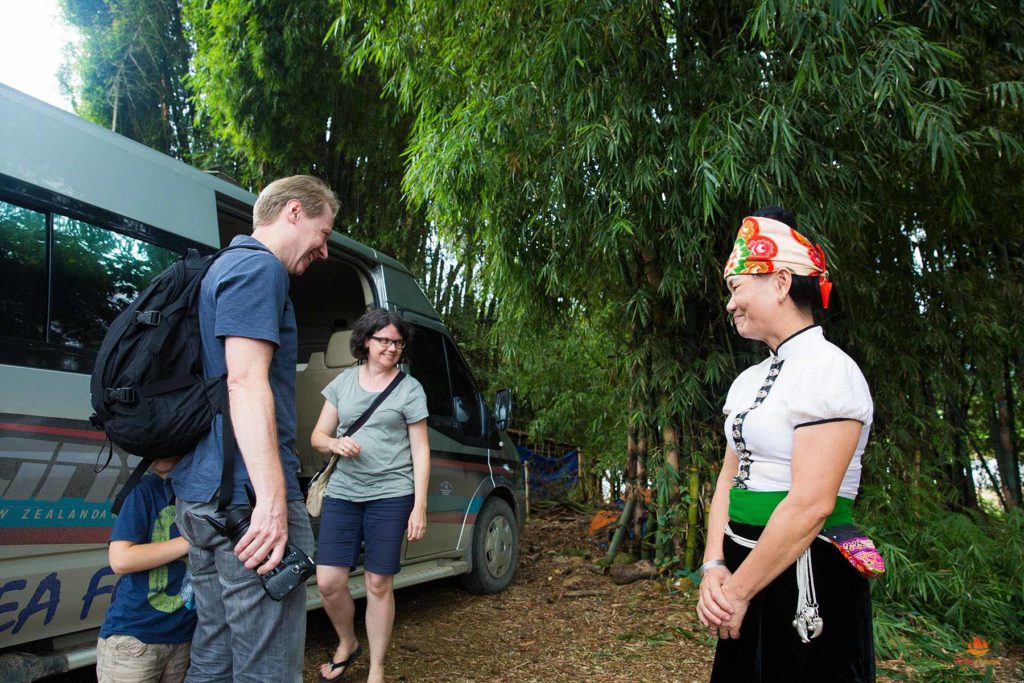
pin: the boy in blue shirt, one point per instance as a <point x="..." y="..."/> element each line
<point x="147" y="631"/>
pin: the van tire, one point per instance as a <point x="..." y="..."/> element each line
<point x="495" y="548"/>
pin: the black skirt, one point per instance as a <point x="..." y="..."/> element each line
<point x="769" y="648"/>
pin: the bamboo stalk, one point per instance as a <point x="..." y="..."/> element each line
<point x="620" y="532"/>
<point x="691" y="517"/>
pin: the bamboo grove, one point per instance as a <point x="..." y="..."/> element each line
<point x="567" y="176"/>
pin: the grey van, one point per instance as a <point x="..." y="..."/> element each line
<point x="87" y="218"/>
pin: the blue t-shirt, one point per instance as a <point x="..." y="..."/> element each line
<point x="147" y="604"/>
<point x="244" y="294"/>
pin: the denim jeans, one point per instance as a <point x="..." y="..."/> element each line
<point x="241" y="635"/>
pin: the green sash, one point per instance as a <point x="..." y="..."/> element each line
<point x="755" y="507"/>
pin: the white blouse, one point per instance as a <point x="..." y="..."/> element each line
<point x="807" y="380"/>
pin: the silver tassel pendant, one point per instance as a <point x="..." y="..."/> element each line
<point x="808" y="624"/>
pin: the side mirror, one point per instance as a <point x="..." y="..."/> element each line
<point x="461" y="413"/>
<point x="502" y="409"/>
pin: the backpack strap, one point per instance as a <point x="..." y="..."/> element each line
<point x="133" y="479"/>
<point x="227" y="474"/>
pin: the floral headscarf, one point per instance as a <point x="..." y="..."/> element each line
<point x="764" y="245"/>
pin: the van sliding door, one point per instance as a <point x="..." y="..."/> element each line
<point x="457" y="461"/>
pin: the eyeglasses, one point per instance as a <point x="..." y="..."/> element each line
<point x="385" y="342"/>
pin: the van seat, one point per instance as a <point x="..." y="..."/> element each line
<point x="323" y="366"/>
<point x="339" y="355"/>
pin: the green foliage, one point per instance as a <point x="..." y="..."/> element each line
<point x="603" y="154"/>
<point x="130" y="66"/>
<point x="279" y="97"/>
<point x="949" y="576"/>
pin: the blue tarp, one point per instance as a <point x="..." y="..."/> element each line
<point x="550" y="477"/>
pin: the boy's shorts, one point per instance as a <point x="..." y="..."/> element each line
<point x="126" y="659"/>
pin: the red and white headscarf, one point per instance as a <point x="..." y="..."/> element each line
<point x="765" y="245"/>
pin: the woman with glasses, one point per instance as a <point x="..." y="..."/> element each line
<point x="377" y="493"/>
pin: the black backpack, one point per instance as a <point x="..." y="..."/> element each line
<point x="148" y="388"/>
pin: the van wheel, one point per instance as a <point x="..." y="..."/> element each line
<point x="495" y="549"/>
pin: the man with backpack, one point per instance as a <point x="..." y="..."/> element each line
<point x="248" y="333"/>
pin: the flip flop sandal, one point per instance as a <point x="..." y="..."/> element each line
<point x="344" y="665"/>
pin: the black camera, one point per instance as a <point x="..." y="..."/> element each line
<point x="295" y="567"/>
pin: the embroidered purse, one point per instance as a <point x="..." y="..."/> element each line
<point x="857" y="548"/>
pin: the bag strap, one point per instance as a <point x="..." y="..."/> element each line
<point x="354" y="427"/>
<point x="329" y="465"/>
<point x="227" y="473"/>
<point x="133" y="479"/>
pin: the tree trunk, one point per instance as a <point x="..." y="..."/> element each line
<point x="667" y="498"/>
<point x="958" y="467"/>
<point x="1003" y="432"/>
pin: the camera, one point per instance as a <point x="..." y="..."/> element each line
<point x="295" y="567"/>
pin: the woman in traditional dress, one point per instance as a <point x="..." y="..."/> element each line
<point x="785" y="603"/>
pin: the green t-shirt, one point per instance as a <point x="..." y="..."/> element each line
<point x="383" y="468"/>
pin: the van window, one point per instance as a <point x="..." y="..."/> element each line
<point x="22" y="272"/>
<point x="96" y="274"/>
<point x="466" y="398"/>
<point x="428" y="366"/>
<point x="63" y="280"/>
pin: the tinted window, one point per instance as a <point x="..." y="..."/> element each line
<point x="96" y="273"/>
<point x="22" y="272"/>
<point x="427" y="364"/>
<point x="466" y="398"/>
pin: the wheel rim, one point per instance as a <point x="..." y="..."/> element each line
<point x="498" y="546"/>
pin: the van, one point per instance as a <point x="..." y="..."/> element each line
<point x="87" y="218"/>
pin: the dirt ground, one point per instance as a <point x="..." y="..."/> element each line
<point x="559" y="622"/>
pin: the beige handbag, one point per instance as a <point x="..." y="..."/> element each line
<point x="318" y="484"/>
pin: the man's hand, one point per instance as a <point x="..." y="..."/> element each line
<point x="266" y="538"/>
